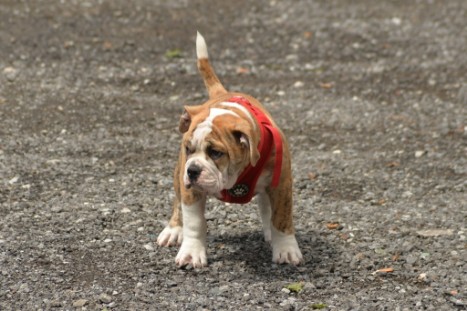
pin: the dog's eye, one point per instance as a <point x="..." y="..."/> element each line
<point x="214" y="154"/>
<point x="188" y="151"/>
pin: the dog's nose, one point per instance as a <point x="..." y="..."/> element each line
<point x="193" y="172"/>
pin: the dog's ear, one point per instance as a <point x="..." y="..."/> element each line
<point x="186" y="117"/>
<point x="245" y="138"/>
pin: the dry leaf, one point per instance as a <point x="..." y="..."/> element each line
<point x="295" y="287"/>
<point x="453" y="292"/>
<point x="107" y="45"/>
<point x="308" y="34"/>
<point x="393" y="164"/>
<point x="327" y="85"/>
<point x="381" y="202"/>
<point x="312" y="176"/>
<point x="383" y="270"/>
<point x="242" y="70"/>
<point x="332" y="225"/>
<point x="396" y="257"/>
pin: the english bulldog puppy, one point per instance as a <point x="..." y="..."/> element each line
<point x="232" y="150"/>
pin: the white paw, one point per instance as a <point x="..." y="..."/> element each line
<point x="192" y="252"/>
<point x="285" y="249"/>
<point x="170" y="236"/>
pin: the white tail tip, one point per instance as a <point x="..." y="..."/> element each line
<point x="201" y="48"/>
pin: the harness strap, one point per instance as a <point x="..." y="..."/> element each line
<point x="270" y="137"/>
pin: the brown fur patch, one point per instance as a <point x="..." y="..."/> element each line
<point x="210" y="78"/>
<point x="281" y="197"/>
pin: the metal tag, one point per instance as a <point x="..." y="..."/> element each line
<point x="239" y="190"/>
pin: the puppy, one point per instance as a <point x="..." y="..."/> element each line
<point x="232" y="150"/>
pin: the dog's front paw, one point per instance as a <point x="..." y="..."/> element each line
<point x="170" y="236"/>
<point x="290" y="255"/>
<point x="285" y="249"/>
<point x="192" y="252"/>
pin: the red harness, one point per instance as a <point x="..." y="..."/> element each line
<point x="244" y="189"/>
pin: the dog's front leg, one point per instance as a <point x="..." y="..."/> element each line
<point x="264" y="205"/>
<point x="172" y="233"/>
<point x="193" y="249"/>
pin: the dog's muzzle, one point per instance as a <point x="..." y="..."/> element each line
<point x="193" y="172"/>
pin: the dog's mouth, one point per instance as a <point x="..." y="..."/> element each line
<point x="202" y="188"/>
<point x="194" y="186"/>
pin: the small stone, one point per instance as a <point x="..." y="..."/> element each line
<point x="407" y="194"/>
<point x="309" y="286"/>
<point x="419" y="153"/>
<point x="171" y="283"/>
<point x="55" y="304"/>
<point x="104" y="298"/>
<point x="125" y="210"/>
<point x="107" y="240"/>
<point x="435" y="232"/>
<point x="112" y="304"/>
<point x="422" y="277"/>
<point x="13" y="180"/>
<point x="223" y="289"/>
<point x="298" y="84"/>
<point x="285" y="290"/>
<point x="148" y="247"/>
<point x="396" y="21"/>
<point x="411" y="259"/>
<point x="10" y="73"/>
<point x="80" y="303"/>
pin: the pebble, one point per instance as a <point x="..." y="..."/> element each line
<point x="148" y="247"/>
<point x="422" y="277"/>
<point x="396" y="21"/>
<point x="435" y="232"/>
<point x="13" y="180"/>
<point x="125" y="210"/>
<point x="80" y="303"/>
<point x="419" y="153"/>
<point x="298" y="84"/>
<point x="10" y="73"/>
<point x="104" y="298"/>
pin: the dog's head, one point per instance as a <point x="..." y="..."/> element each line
<point x="218" y="144"/>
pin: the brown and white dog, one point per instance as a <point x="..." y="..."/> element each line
<point x="233" y="150"/>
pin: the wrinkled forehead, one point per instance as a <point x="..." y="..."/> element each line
<point x="205" y="127"/>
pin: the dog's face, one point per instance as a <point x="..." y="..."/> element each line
<point x="217" y="146"/>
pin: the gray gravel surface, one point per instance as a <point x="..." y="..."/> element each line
<point x="372" y="95"/>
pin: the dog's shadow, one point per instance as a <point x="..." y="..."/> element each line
<point x="251" y="251"/>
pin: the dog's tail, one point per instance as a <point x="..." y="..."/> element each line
<point x="213" y="85"/>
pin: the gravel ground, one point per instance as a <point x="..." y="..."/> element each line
<point x="372" y="95"/>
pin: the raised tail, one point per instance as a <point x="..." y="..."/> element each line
<point x="213" y="85"/>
